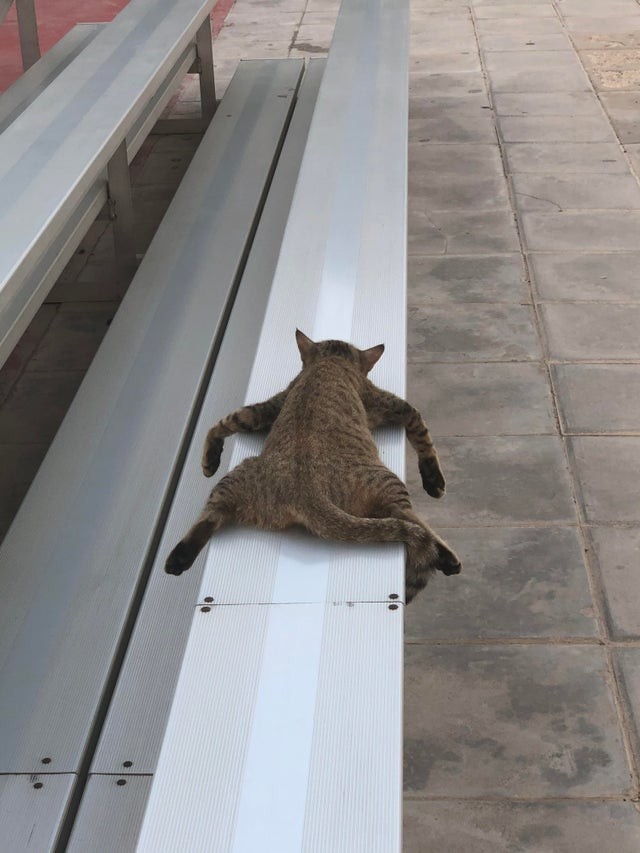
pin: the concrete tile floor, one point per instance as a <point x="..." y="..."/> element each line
<point x="523" y="674"/>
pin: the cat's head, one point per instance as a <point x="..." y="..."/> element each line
<point x="310" y="352"/>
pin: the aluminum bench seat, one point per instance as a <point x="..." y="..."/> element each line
<point x="74" y="563"/>
<point x="34" y="81"/>
<point x="285" y="730"/>
<point x="67" y="152"/>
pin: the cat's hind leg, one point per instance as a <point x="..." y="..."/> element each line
<point x="426" y="552"/>
<point x="223" y="507"/>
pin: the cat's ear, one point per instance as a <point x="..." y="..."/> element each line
<point x="369" y="357"/>
<point x="305" y="345"/>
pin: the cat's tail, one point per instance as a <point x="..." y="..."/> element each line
<point x="331" y="522"/>
<point x="425" y="551"/>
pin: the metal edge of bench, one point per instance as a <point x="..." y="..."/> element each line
<point x="34" y="81"/>
<point x="110" y="816"/>
<point x="73" y="172"/>
<point x="68" y="583"/>
<point x="288" y="682"/>
<point x="21" y="306"/>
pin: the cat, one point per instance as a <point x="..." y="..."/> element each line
<point x="320" y="468"/>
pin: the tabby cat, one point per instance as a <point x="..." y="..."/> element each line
<point x="319" y="467"/>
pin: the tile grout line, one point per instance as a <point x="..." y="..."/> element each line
<point x="595" y="585"/>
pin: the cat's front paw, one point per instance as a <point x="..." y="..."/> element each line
<point x="211" y="456"/>
<point x="432" y="479"/>
<point x="180" y="559"/>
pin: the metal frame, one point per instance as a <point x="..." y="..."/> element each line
<point x="27" y="29"/>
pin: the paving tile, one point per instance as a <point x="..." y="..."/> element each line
<point x="515" y="582"/>
<point x="471" y="332"/>
<point x="604" y="25"/>
<point x="482" y="399"/>
<point x="531" y="60"/>
<point x="594" y="8"/>
<point x="511" y="10"/>
<point x="598" y="398"/>
<point x="79" y="258"/>
<point x="611" y="59"/>
<point x="467" y="278"/>
<point x="555" y="193"/>
<point x="520" y="827"/>
<point x="608" y="472"/>
<point x="442" y="232"/>
<point x="564" y="157"/>
<point x="423" y="84"/>
<point x="628" y="667"/>
<point x="457" y="177"/>
<point x="453" y="119"/>
<point x="19" y="358"/>
<point x="511" y="721"/>
<point x="624" y="111"/>
<point x="605" y="231"/>
<point x="547" y="104"/>
<point x="609" y="81"/>
<point x="19" y="464"/>
<point x="556" y="129"/>
<point x="544" y="80"/>
<point x="36" y="406"/>
<point x="516" y="41"/>
<point x="493" y="480"/>
<point x="73" y="337"/>
<point x="603" y="276"/>
<point x="165" y="167"/>
<point x="592" y="331"/>
<point x="614" y="39"/>
<point x="617" y="557"/>
<point x="436" y="60"/>
<point x="528" y="27"/>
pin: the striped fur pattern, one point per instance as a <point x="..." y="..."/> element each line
<point x="320" y="468"/>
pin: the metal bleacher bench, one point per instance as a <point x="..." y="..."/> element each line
<point x="69" y="129"/>
<point x="255" y="703"/>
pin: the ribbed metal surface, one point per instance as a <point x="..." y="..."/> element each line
<point x="354" y="796"/>
<point x="110" y="814"/>
<point x="210" y="725"/>
<point x="71" y="561"/>
<point x="31" y="817"/>
<point x="269" y="745"/>
<point x="138" y="712"/>
<point x="341" y="273"/>
<point x="34" y="81"/>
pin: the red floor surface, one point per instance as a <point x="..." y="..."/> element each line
<point x="57" y="17"/>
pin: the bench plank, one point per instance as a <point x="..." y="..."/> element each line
<point x="31" y="817"/>
<point x="34" y="81"/>
<point x="72" y="562"/>
<point x="305" y="701"/>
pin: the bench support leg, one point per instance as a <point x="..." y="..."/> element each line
<point x="205" y="62"/>
<point x="28" y="32"/>
<point x="121" y="212"/>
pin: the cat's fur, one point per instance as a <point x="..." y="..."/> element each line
<point x="319" y="467"/>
